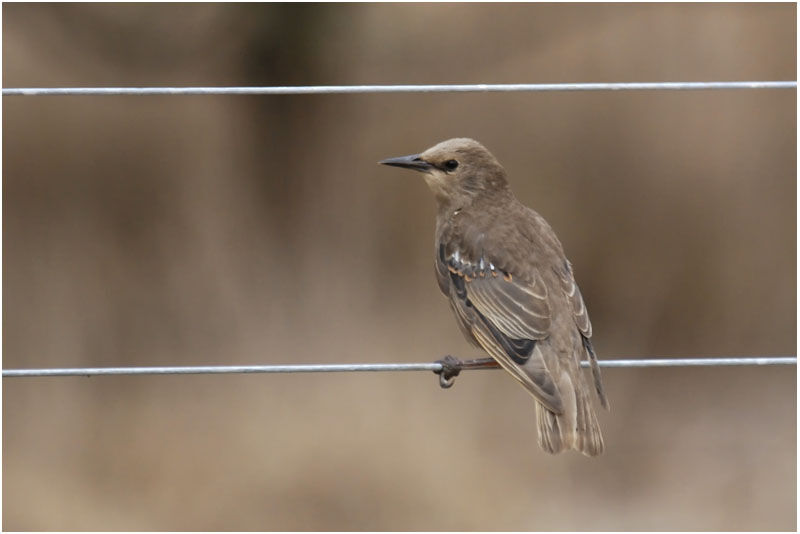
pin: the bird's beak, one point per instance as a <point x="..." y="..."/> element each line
<point x="413" y="162"/>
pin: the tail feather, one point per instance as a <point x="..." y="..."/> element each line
<point x="598" y="381"/>
<point x="549" y="430"/>
<point x="577" y="428"/>
<point x="587" y="436"/>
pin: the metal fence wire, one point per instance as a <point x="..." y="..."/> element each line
<point x="376" y="367"/>
<point x="430" y="88"/>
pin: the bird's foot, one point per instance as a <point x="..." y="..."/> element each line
<point x="451" y="367"/>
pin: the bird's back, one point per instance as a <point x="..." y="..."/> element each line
<point x="512" y="291"/>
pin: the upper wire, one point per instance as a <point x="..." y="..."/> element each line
<point x="430" y="88"/>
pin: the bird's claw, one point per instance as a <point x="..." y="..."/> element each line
<point x="451" y="367"/>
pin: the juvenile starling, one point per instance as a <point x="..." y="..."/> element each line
<point x="512" y="289"/>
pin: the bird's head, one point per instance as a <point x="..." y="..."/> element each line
<point x="457" y="170"/>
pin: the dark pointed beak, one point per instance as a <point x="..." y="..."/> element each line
<point x="413" y="162"/>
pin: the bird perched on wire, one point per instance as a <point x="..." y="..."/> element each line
<point x="512" y="289"/>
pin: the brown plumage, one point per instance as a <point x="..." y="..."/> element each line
<point x="512" y="289"/>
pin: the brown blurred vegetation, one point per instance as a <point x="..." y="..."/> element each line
<point x="217" y="230"/>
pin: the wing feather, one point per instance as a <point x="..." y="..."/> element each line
<point x="506" y="315"/>
<point x="512" y="306"/>
<point x="581" y="318"/>
<point x="535" y="376"/>
<point x="579" y="313"/>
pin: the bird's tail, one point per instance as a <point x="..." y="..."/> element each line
<point x="576" y="428"/>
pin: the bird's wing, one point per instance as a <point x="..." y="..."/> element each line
<point x="511" y="316"/>
<point x="581" y="317"/>
<point x="570" y="288"/>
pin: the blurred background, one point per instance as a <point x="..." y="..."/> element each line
<point x="167" y="230"/>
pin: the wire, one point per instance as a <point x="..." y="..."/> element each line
<point x="372" y="367"/>
<point x="351" y="89"/>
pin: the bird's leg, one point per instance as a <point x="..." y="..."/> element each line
<point x="452" y="366"/>
<point x="480" y="363"/>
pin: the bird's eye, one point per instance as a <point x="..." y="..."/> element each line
<point x="450" y="164"/>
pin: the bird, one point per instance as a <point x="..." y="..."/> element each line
<point x="512" y="289"/>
